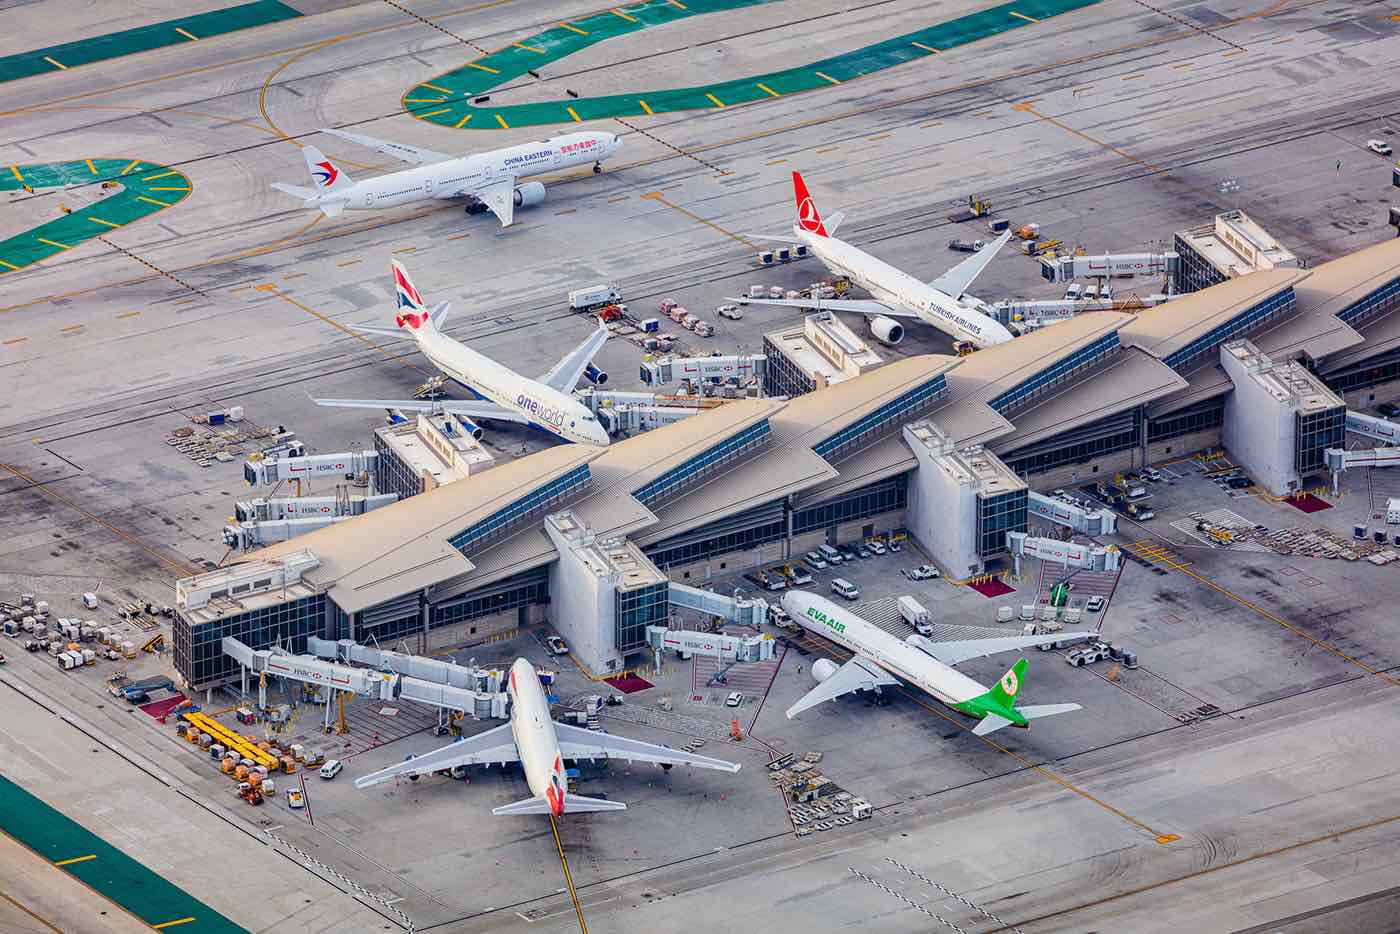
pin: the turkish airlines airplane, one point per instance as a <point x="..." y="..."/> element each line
<point x="546" y="403"/>
<point x="541" y="746"/>
<point x="926" y="664"/>
<point x="490" y="179"/>
<point x="896" y="293"/>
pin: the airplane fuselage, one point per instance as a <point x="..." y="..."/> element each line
<point x="896" y="287"/>
<point x="908" y="662"/>
<point x="456" y="177"/>
<point x="556" y="412"/>
<point x="535" y="739"/>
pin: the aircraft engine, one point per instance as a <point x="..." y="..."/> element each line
<point x="594" y="375"/>
<point x="886" y="330"/>
<point x="528" y="194"/>
<point x="470" y="427"/>
<point x="824" y="668"/>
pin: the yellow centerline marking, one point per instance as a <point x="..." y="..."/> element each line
<point x="8" y="265"/>
<point x="677" y="4"/>
<point x="775" y="162"/>
<point x="464" y="121"/>
<point x="876" y="139"/>
<point x="767" y="90"/>
<point x="91" y="168"/>
<point x="572" y="28"/>
<point x="434" y="113"/>
<point x="424" y="100"/>
<point x="98" y="220"/>
<point x="131" y="165"/>
<point x="1131" y="77"/>
<point x="76" y="859"/>
<point x="616" y="12"/>
<point x="160" y="188"/>
<point x="528" y="48"/>
<point x="656" y="196"/>
<point x="68" y="330"/>
<point x="484" y="68"/>
<point x="1235" y="52"/>
<point x="573" y="113"/>
<point x="164" y="204"/>
<point x="827" y="149"/>
<point x="128" y="314"/>
<point x="61" y="246"/>
<point x="18" y="177"/>
<point x="457" y="236"/>
<point x="269" y="287"/>
<point x="151" y="178"/>
<point x="350" y="262"/>
<point x="15" y="340"/>
<point x="568" y="876"/>
<point x="57" y="64"/>
<point x="715" y="100"/>
<point x="926" y="48"/>
<point x="170" y="924"/>
<point x="644" y="105"/>
<point x="435" y="88"/>
<point x="188" y="35"/>
<point x="1027" y="108"/>
<point x="502" y="121"/>
<point x="1184" y="65"/>
<point x="1029" y="19"/>
<point x="826" y="76"/>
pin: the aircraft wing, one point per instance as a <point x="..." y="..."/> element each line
<point x="863" y="306"/>
<point x="499" y="196"/>
<point x="398" y="150"/>
<point x="475" y="408"/>
<point x="959" y="279"/>
<point x="576" y="743"/>
<point x="858" y="674"/>
<point x="565" y="374"/>
<point x="495" y="745"/>
<point x="950" y="653"/>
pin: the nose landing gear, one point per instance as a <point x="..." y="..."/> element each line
<point x="597" y="168"/>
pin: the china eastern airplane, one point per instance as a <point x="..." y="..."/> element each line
<point x="926" y="664"/>
<point x="505" y="395"/>
<point x="491" y="180"/>
<point x="896" y="293"/>
<point x="542" y="747"/>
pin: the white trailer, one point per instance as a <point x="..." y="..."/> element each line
<point x="594" y="296"/>
<point x="265" y="471"/>
<point x="915" y="615"/>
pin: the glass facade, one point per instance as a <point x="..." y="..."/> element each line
<point x="538" y="501"/>
<point x="1382" y="301"/>
<point x="997" y="515"/>
<point x="888" y="416"/>
<point x="1199" y="417"/>
<point x="1382" y="368"/>
<point x="680" y="478"/>
<point x="523" y="589"/>
<point x="748" y="529"/>
<point x="1209" y="343"/>
<point x="198" y="647"/>
<point x="1316" y="433"/>
<point x="635" y="610"/>
<point x="1115" y="433"/>
<point x="867" y="501"/>
<point x="391" y="474"/>
<point x="1053" y="375"/>
<point x="1193" y="271"/>
<point x="783" y="377"/>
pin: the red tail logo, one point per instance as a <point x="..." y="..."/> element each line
<point x="807" y="216"/>
<point x="411" y="321"/>
<point x="328" y="174"/>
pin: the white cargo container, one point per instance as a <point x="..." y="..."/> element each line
<point x="915" y="615"/>
<point x="1392" y="511"/>
<point x="1004" y="614"/>
<point x="90" y="601"/>
<point x="593" y="296"/>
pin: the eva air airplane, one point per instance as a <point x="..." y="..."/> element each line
<point x="927" y="665"/>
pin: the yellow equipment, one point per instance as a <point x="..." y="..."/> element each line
<point x="979" y="206"/>
<point x="154" y="644"/>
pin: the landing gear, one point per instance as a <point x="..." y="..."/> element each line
<point x="476" y="207"/>
<point x="597" y="168"/>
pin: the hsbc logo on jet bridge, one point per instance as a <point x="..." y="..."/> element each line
<point x="825" y="620"/>
<point x="544" y="413"/>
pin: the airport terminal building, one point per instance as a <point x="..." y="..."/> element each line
<point x="591" y="539"/>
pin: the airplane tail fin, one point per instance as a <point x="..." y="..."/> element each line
<point x="412" y="314"/>
<point x="998" y="706"/>
<point x="1005" y="691"/>
<point x="808" y="218"/>
<point x="573" y="804"/>
<point x="324" y="173"/>
<point x="528" y="806"/>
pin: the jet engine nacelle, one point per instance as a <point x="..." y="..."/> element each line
<point x="528" y="194"/>
<point x="594" y="375"/>
<point x="470" y="427"/>
<point x="824" y="668"/>
<point x="886" y="330"/>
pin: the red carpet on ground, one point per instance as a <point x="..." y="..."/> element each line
<point x="1309" y="503"/>
<point x="160" y="708"/>
<point x="992" y="588"/>
<point x="629" y="684"/>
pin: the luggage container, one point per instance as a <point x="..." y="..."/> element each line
<point x="1004" y="614"/>
<point x="89" y="657"/>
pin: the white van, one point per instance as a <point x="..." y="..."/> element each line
<point x="831" y="555"/>
<point x="332" y="768"/>
<point x="845" y="588"/>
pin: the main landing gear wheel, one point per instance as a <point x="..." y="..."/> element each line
<point x="597" y="168"/>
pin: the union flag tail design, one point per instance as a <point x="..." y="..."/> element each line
<point x="412" y="315"/>
<point x="808" y="217"/>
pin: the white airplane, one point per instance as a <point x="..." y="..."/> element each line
<point x="490" y="179"/>
<point x="920" y="661"/>
<point x="505" y="395"/>
<point x="541" y="746"/>
<point x="896" y="293"/>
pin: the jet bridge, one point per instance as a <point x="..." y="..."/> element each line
<point x="303" y="507"/>
<point x="1070" y="554"/>
<point x="756" y="648"/>
<point x="1084" y="521"/>
<point x="1371" y="426"/>
<point x="733" y="609"/>
<point x="1338" y="461"/>
<point x="265" y="471"/>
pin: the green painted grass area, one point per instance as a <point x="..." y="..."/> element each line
<point x="447" y="99"/>
<point x="146" y="188"/>
<point x="142" y="38"/>
<point x="104" y="868"/>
